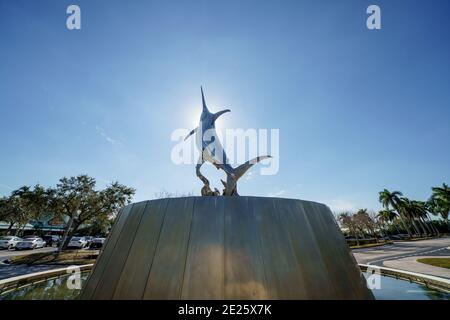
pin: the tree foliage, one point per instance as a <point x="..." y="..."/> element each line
<point x="439" y="202"/>
<point x="400" y="214"/>
<point x="75" y="200"/>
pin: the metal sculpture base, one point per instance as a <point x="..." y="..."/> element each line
<point x="226" y="248"/>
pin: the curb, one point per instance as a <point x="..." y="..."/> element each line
<point x="374" y="245"/>
<point x="30" y="278"/>
<point x="434" y="282"/>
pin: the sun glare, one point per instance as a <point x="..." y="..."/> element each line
<point x="193" y="110"/>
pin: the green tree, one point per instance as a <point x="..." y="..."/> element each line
<point x="387" y="217"/>
<point x="4" y="208"/>
<point x="77" y="199"/>
<point x="366" y="222"/>
<point x="408" y="210"/>
<point x="15" y="213"/>
<point x="347" y="221"/>
<point x="392" y="200"/>
<point x="35" y="201"/>
<point x="439" y="202"/>
<point x="420" y="211"/>
<point x="8" y="212"/>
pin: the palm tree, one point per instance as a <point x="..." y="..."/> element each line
<point x="439" y="202"/>
<point x="388" y="216"/>
<point x="429" y="220"/>
<point x="433" y="227"/>
<point x="420" y="210"/>
<point x="392" y="199"/>
<point x="408" y="210"/>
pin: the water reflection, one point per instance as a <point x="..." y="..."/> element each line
<point x="53" y="289"/>
<point x="390" y="289"/>
<point x="394" y="289"/>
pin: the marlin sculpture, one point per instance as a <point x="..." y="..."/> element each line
<point x="211" y="150"/>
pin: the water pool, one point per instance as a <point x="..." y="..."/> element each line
<point x="396" y="289"/>
<point x="390" y="289"/>
<point x="51" y="289"/>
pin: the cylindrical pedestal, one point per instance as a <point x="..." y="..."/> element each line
<point x="226" y="248"/>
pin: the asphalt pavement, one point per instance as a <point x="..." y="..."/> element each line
<point x="6" y="254"/>
<point x="8" y="271"/>
<point x="403" y="255"/>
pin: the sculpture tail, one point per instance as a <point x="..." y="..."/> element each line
<point x="243" y="168"/>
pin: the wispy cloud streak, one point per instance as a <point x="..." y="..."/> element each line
<point x="108" y="139"/>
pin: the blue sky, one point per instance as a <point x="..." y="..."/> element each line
<point x="358" y="110"/>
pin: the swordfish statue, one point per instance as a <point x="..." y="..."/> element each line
<point x="211" y="150"/>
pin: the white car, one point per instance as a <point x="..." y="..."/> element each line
<point x="9" y="242"/>
<point x="30" y="243"/>
<point x="78" y="242"/>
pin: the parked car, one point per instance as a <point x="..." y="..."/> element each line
<point x="97" y="243"/>
<point x="9" y="242"/>
<point x="399" y="237"/>
<point x="52" y="240"/>
<point x="89" y="240"/>
<point x="30" y="242"/>
<point x="78" y="242"/>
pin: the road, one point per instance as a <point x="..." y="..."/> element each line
<point x="403" y="255"/>
<point x="6" y="254"/>
<point x="8" y="271"/>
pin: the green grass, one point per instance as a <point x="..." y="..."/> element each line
<point x="437" y="262"/>
<point x="69" y="257"/>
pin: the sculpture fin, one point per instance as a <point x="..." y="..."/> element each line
<point x="218" y="114"/>
<point x="191" y="133"/>
<point x="205" y="108"/>
<point x="242" y="169"/>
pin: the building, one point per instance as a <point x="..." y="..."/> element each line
<point x="47" y="225"/>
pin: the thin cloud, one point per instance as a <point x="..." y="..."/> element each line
<point x="276" y="193"/>
<point x="339" y="205"/>
<point x="4" y="186"/>
<point x="108" y="139"/>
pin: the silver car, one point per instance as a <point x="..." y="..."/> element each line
<point x="9" y="242"/>
<point x="78" y="242"/>
<point x="30" y="243"/>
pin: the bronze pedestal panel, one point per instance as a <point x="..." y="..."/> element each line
<point x="226" y="248"/>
